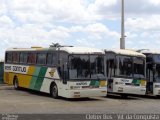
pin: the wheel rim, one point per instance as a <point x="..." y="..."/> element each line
<point x="16" y="84"/>
<point x="54" y="91"/>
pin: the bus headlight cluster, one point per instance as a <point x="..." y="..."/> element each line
<point x="143" y="83"/>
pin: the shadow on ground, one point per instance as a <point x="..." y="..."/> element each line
<point x="109" y="96"/>
<point x="115" y="96"/>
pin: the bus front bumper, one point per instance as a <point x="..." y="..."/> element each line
<point x="129" y="90"/>
<point x="86" y="93"/>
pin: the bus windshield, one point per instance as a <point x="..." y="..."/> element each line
<point x="86" y="66"/>
<point x="131" y="66"/>
<point x="125" y="66"/>
<point x="157" y="73"/>
<point x="156" y="59"/>
<point x="139" y="67"/>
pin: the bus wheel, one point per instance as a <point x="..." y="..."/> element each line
<point x="15" y="83"/>
<point x="124" y="96"/>
<point x="54" y="91"/>
<point x="157" y="96"/>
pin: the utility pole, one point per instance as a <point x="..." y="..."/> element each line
<point x="122" y="39"/>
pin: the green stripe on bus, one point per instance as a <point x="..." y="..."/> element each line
<point x="37" y="70"/>
<point x="136" y="81"/>
<point x="33" y="82"/>
<point x="40" y="78"/>
<point x="94" y="83"/>
<point x="34" y="77"/>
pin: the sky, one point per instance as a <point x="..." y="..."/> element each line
<point x="89" y="23"/>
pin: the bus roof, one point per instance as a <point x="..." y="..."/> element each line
<point x="81" y="50"/>
<point x="70" y="50"/>
<point x="148" y="51"/>
<point x="125" y="52"/>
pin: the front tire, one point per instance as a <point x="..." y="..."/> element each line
<point x="54" y="91"/>
<point x="158" y="96"/>
<point x="124" y="96"/>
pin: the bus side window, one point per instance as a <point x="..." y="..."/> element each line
<point x="15" y="57"/>
<point x="63" y="68"/>
<point x="23" y="58"/>
<point x="8" y="58"/>
<point x="49" y="58"/>
<point x="41" y="58"/>
<point x="31" y="58"/>
<point x="149" y="58"/>
<point x="54" y="59"/>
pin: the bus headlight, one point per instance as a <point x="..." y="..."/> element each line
<point x="143" y="83"/>
<point x="103" y="83"/>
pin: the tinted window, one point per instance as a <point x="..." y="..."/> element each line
<point x="54" y="59"/>
<point x="15" y="57"/>
<point x="156" y="59"/>
<point x="125" y="66"/>
<point x="139" y="67"/>
<point x="8" y="57"/>
<point x="49" y="59"/>
<point x="31" y="58"/>
<point x="41" y="58"/>
<point x="23" y="57"/>
<point x="111" y="67"/>
<point x="86" y="66"/>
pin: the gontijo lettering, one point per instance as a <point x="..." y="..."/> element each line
<point x="16" y="68"/>
<point x="19" y="68"/>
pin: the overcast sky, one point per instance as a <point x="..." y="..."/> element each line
<point x="91" y="23"/>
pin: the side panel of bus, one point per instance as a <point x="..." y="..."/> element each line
<point x="37" y="77"/>
<point x="31" y="77"/>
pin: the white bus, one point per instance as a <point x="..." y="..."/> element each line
<point x="70" y="72"/>
<point x="125" y="71"/>
<point x="152" y="71"/>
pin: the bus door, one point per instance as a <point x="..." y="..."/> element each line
<point x="150" y="68"/>
<point x="110" y="69"/>
<point x="63" y="67"/>
<point x="150" y="77"/>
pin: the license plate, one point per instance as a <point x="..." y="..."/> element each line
<point x="120" y="90"/>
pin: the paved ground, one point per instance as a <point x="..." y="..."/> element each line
<point x="24" y="101"/>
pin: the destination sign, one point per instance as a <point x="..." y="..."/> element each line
<point x="15" y="68"/>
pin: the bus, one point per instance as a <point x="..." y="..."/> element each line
<point x="66" y="71"/>
<point x="125" y="72"/>
<point x="152" y="71"/>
